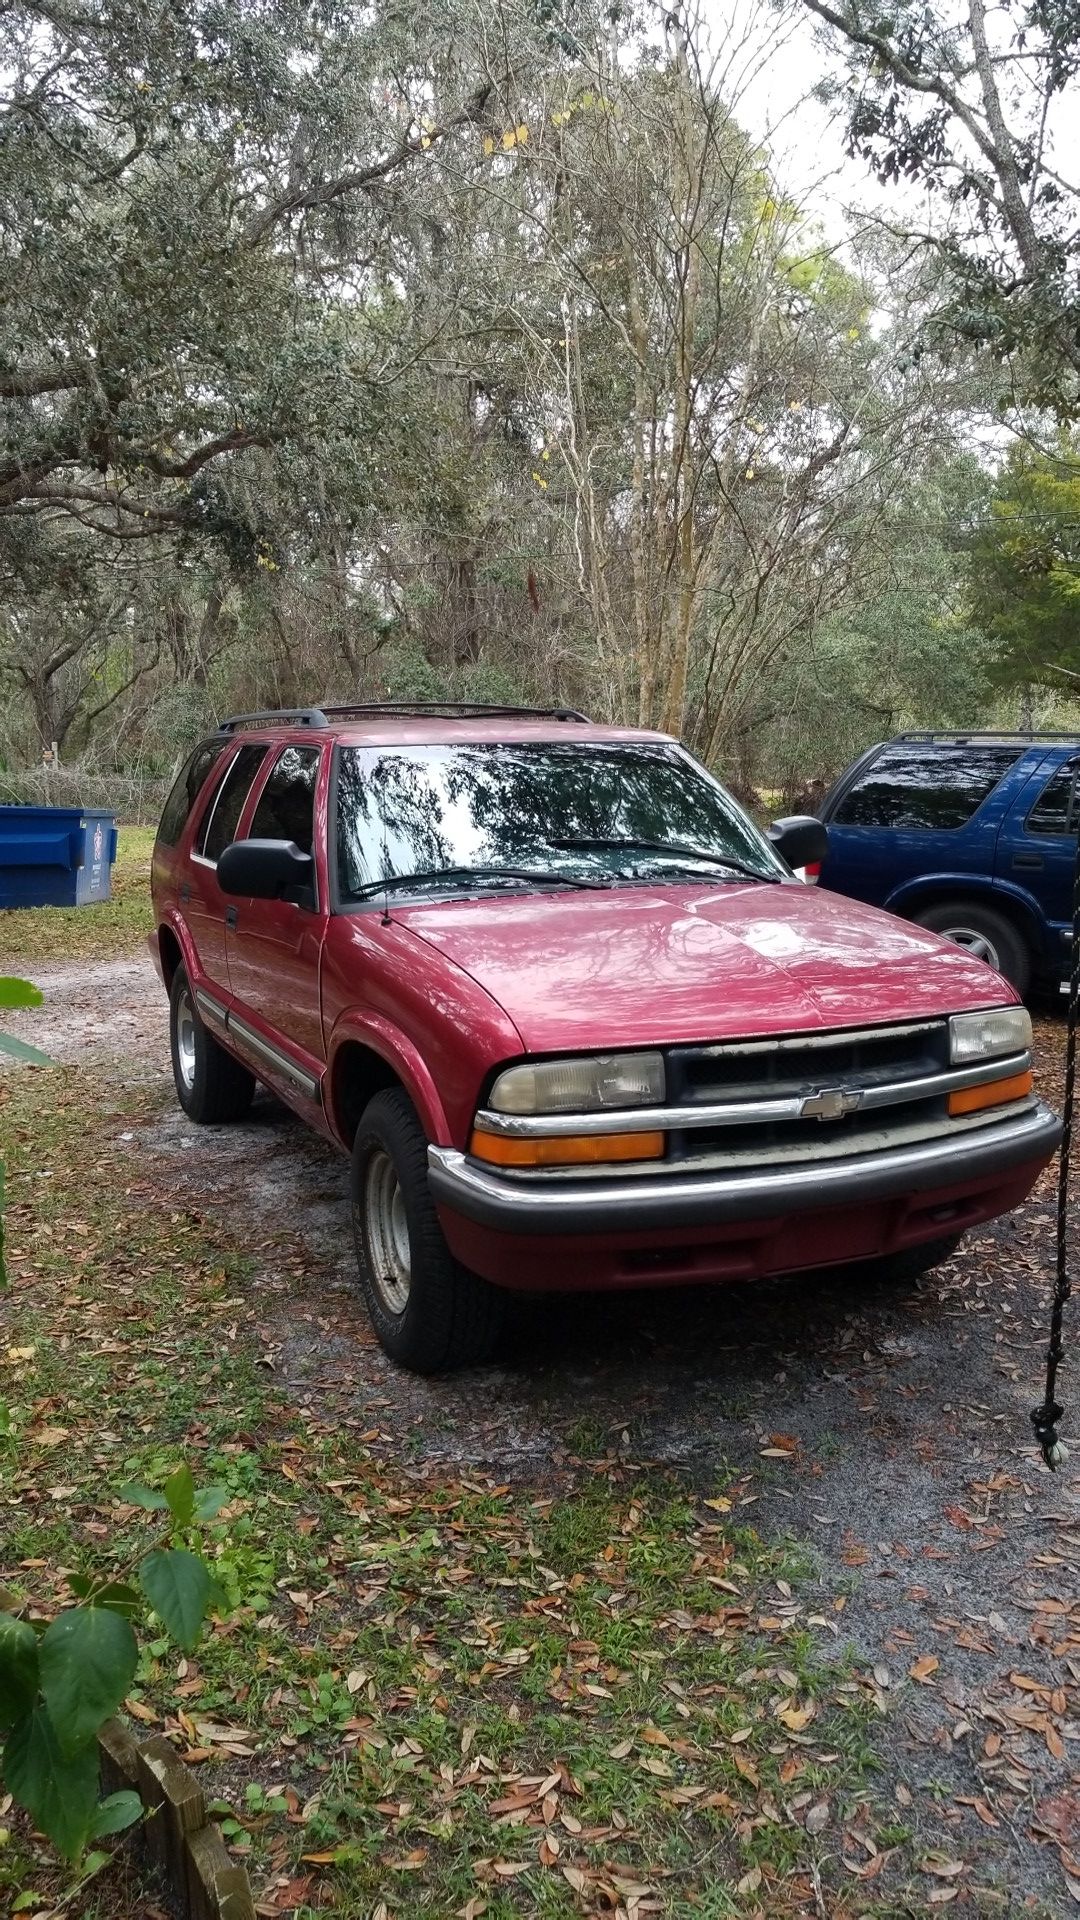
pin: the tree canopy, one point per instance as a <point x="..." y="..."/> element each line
<point x="978" y="105"/>
<point x="348" y="350"/>
<point x="1025" y="568"/>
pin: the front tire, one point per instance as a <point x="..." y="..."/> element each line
<point x="429" y="1312"/>
<point x="985" y="933"/>
<point x="211" y="1086"/>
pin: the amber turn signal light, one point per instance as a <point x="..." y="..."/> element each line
<point x="992" y="1093"/>
<point x="567" y="1150"/>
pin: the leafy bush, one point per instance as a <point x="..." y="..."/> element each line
<point x="61" y="1680"/>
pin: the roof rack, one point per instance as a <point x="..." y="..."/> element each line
<point x="299" y="716"/>
<point x="456" y="710"/>
<point x="962" y="735"/>
<point x="321" y="717"/>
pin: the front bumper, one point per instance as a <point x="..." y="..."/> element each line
<point x="675" y="1201"/>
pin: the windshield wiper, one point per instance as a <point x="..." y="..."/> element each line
<point x="677" y="847"/>
<point x="535" y="874"/>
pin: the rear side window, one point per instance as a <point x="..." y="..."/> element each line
<point x="189" y="784"/>
<point x="1055" y="809"/>
<point x="925" y="786"/>
<point x="286" y="809"/>
<point x="219" y="827"/>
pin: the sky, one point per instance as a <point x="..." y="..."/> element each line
<point x="772" y="61"/>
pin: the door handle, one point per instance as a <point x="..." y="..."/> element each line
<point x="1030" y="862"/>
<point x="231" y="917"/>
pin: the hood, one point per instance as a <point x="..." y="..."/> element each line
<point x="644" y="966"/>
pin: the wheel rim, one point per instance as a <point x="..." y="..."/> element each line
<point x="979" y="944"/>
<point x="387" y="1233"/>
<point x="185" y="1040"/>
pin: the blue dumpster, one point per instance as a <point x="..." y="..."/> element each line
<point x="56" y="856"/>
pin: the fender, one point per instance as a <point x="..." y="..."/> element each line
<point x="402" y="1055"/>
<point x="905" y="900"/>
<point x="174" y="921"/>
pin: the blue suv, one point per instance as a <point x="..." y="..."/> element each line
<point x="970" y="834"/>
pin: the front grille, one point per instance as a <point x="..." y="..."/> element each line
<point x="759" y="1069"/>
<point x="798" y="1068"/>
<point x="739" y="1104"/>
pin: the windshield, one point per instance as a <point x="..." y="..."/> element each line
<point x="462" y="818"/>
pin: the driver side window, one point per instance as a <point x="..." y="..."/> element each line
<point x="286" y="809"/>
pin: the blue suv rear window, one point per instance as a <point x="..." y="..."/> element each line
<point x="935" y="786"/>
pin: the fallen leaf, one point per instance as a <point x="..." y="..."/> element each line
<point x="924" y="1666"/>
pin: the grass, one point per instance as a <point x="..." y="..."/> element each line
<point x="430" y="1696"/>
<point x="99" y="932"/>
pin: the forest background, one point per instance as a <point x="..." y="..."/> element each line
<point x="427" y="349"/>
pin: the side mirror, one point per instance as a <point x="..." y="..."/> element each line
<point x="800" y="839"/>
<point x="268" y="870"/>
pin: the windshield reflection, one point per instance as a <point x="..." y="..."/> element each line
<point x="418" y="811"/>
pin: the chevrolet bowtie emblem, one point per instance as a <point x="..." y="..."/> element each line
<point x="830" y="1104"/>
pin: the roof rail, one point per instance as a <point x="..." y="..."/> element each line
<point x="456" y="710"/>
<point x="962" y="735"/>
<point x="320" y="717"/>
<point x="299" y="716"/>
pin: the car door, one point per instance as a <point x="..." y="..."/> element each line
<point x="201" y="901"/>
<point x="1037" y="846"/>
<point x="274" y="946"/>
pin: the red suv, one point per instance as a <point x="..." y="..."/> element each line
<point x="571" y="1014"/>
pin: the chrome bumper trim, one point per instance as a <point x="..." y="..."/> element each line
<point x="601" y="1205"/>
<point x="737" y="1113"/>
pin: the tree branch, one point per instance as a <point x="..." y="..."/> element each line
<point x="356" y="182"/>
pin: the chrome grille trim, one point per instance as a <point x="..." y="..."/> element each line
<point x="818" y="1148"/>
<point x="737" y="1113"/>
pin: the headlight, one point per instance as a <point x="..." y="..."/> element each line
<point x="985" y="1036"/>
<point x="581" y="1086"/>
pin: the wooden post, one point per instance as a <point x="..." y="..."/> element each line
<point x="177" y="1839"/>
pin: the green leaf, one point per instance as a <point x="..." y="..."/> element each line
<point x="22" y="1050"/>
<point x="18" y="1669"/>
<point x="209" y="1501"/>
<point x="19" y="993"/>
<point x="137" y="1496"/>
<point x="24" y="1901"/>
<point x="87" y="1659"/>
<point x="179" y="1491"/>
<point x="217" y="1598"/>
<point x="108" y="1593"/>
<point x="120" y="1810"/>
<point x="59" y="1791"/>
<point x="177" y="1585"/>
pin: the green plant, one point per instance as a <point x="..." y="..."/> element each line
<point x="61" y="1680"/>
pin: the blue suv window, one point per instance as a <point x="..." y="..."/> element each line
<point x="925" y="785"/>
<point x="1055" y="809"/>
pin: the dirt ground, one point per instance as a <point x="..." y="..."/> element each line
<point x="887" y="1431"/>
